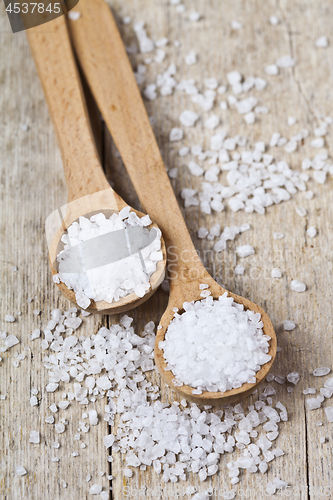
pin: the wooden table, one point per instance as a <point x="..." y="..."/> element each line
<point x="32" y="186"/>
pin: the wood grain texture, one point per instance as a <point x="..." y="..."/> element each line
<point x="32" y="186"/>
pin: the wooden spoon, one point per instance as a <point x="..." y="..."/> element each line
<point x="88" y="189"/>
<point x="102" y="56"/>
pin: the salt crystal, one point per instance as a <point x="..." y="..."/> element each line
<point x="50" y="419"/>
<point x="194" y="16"/>
<point x="52" y="386"/>
<point x="93" y="419"/>
<point x="191" y="59"/>
<point x="245" y="250"/>
<point x="309" y="390"/>
<point x="34" y="437"/>
<point x="212" y="122"/>
<point x="317" y="143"/>
<point x="20" y="470"/>
<point x="311" y="232"/>
<point x="108" y="441"/>
<point x="33" y="401"/>
<point x="188" y="118"/>
<point x="272" y="69"/>
<point x="9" y="318"/>
<point x="10" y="341"/>
<point x="293" y="377"/>
<point x="235" y="25"/>
<point x="74" y="15"/>
<point x="60" y="428"/>
<point x="285" y="62"/>
<point x="278" y="236"/>
<point x="297" y="286"/>
<point x="320" y="372"/>
<point x="274" y="21"/>
<point x="314" y="403"/>
<point x="53" y="408"/>
<point x="234" y="77"/>
<point x="291" y="121"/>
<point x="276" y="273"/>
<point x="250" y="118"/>
<point x="329" y="413"/>
<point x="321" y="42"/>
<point x="289" y="325"/>
<point x="176" y="134"/>
<point x="239" y="269"/>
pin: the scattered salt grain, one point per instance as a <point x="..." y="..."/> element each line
<point x="191" y="58"/>
<point x="34" y="437"/>
<point x="74" y="15"/>
<point x="212" y="122"/>
<point x="33" y="401"/>
<point x="95" y="489"/>
<point x="176" y="134"/>
<point x="194" y="16"/>
<point x="10" y="341"/>
<point x="293" y="378"/>
<point x="322" y="42"/>
<point x="297" y="286"/>
<point x="311" y="232"/>
<point x="60" y="428"/>
<point x="205" y="320"/>
<point x="35" y="334"/>
<point x="321" y="372"/>
<point x="20" y="470"/>
<point x="9" y="318"/>
<point x="329" y="413"/>
<point x="188" y="118"/>
<point x="250" y="118"/>
<point x="245" y="250"/>
<point x="278" y="236"/>
<point x="289" y="325"/>
<point x="274" y="21"/>
<point x="314" y="403"/>
<point x="239" y="269"/>
<point x="276" y="273"/>
<point x="317" y="143"/>
<point x="301" y="211"/>
<point x="309" y="390"/>
<point x="52" y="386"/>
<point x="272" y="69"/>
<point x="285" y="62"/>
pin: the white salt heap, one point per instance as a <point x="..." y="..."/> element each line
<point x="215" y="345"/>
<point x="114" y="280"/>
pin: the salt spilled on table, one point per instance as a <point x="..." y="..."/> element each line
<point x="221" y="346"/>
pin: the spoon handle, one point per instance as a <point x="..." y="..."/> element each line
<point x="104" y="61"/>
<point x="54" y="59"/>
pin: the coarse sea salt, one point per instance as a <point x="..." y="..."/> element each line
<point x="321" y="372"/>
<point x="108" y="281"/>
<point x="297" y="286"/>
<point x="216" y="335"/>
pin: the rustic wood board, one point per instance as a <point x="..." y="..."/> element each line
<point x="32" y="186"/>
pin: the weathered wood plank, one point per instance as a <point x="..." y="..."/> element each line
<point x="32" y="185"/>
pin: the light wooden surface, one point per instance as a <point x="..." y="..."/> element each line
<point x="32" y="186"/>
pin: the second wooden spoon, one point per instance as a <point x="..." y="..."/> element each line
<point x="104" y="61"/>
